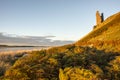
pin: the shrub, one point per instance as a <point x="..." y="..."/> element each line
<point x="76" y="73"/>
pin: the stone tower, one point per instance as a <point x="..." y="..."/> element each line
<point x="99" y="18"/>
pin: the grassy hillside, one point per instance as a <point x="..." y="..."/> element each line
<point x="105" y="36"/>
<point x="95" y="57"/>
<point x="68" y="62"/>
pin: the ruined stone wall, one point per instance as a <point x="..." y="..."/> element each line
<point x="98" y="18"/>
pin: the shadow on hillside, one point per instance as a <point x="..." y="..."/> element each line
<point x="86" y="57"/>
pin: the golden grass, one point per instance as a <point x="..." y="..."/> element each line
<point x="105" y="36"/>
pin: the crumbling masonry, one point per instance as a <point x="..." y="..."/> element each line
<point x="99" y="18"/>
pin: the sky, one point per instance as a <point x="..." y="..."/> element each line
<point x="64" y="19"/>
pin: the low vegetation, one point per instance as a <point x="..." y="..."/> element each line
<point x="7" y="60"/>
<point x="68" y="62"/>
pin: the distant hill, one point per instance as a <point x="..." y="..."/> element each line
<point x="105" y="36"/>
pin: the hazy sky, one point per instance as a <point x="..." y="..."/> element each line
<point x="65" y="19"/>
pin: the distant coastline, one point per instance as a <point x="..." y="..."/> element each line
<point x="20" y="49"/>
<point x="21" y="46"/>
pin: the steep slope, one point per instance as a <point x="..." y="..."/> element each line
<point x="105" y="36"/>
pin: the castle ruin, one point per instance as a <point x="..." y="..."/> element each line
<point x="99" y="18"/>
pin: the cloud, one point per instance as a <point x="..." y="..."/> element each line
<point x="11" y="39"/>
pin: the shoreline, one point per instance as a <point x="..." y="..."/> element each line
<point x="12" y="50"/>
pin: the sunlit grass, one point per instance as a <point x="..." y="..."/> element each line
<point x="105" y="36"/>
